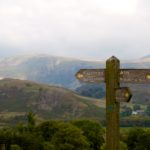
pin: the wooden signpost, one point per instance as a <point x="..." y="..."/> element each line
<point x="115" y="94"/>
<point x="2" y="146"/>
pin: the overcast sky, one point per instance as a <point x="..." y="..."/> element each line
<point x="76" y="28"/>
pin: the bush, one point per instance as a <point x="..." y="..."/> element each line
<point x="69" y="137"/>
<point x="138" y="139"/>
<point x="15" y="147"/>
<point x="93" y="132"/>
<point x="47" y="129"/>
<point x="48" y="146"/>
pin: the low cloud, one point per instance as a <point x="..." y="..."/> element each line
<point x="79" y="28"/>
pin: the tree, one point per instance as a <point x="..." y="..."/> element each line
<point x="48" y="146"/>
<point x="133" y="137"/>
<point x="91" y="90"/>
<point x="126" y="112"/>
<point x="15" y="147"/>
<point x="28" y="141"/>
<point x="148" y="110"/>
<point x="69" y="137"/>
<point x="93" y="131"/>
<point x="143" y="141"/>
<point x="136" y="107"/>
<point x="21" y="128"/>
<point x="138" y="139"/>
<point x="31" y="119"/>
<point x="47" y="129"/>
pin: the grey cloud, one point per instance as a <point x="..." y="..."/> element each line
<point x="73" y="28"/>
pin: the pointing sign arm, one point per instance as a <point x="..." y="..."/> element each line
<point x="139" y="76"/>
<point x="91" y="75"/>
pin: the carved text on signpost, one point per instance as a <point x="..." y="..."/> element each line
<point x="139" y="76"/>
<point x="91" y="75"/>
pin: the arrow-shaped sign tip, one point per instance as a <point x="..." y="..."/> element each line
<point x="79" y="75"/>
<point x="123" y="94"/>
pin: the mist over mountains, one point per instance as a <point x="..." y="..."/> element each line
<point x="55" y="70"/>
<point x="44" y="69"/>
<point x="61" y="71"/>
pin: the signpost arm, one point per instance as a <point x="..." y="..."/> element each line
<point x="112" y="107"/>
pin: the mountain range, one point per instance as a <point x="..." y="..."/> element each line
<point x="45" y="69"/>
<point x="61" y="71"/>
<point x="17" y="97"/>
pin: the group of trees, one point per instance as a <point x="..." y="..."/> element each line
<point x="135" y="122"/>
<point x="91" y="90"/>
<point x="138" y="139"/>
<point x="148" y="110"/>
<point x="69" y="135"/>
<point x="54" y="135"/>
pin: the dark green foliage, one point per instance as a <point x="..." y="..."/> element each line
<point x="136" y="107"/>
<point x="48" y="146"/>
<point x="31" y="118"/>
<point x="21" y="128"/>
<point x="138" y="139"/>
<point x="15" y="147"/>
<point x="91" y="90"/>
<point x="93" y="131"/>
<point x="74" y="135"/>
<point x="47" y="129"/>
<point x="144" y="141"/>
<point x="126" y="112"/>
<point x="135" y="122"/>
<point x="57" y="131"/>
<point x="69" y="137"/>
<point x="148" y="110"/>
<point x="133" y="137"/>
<point x="28" y="141"/>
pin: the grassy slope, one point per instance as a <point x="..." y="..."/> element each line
<point x="18" y="97"/>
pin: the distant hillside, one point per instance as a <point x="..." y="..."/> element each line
<point x="141" y="93"/>
<point x="55" y="70"/>
<point x="17" y="97"/>
<point x="91" y="90"/>
<point x="61" y="71"/>
<point x="45" y="69"/>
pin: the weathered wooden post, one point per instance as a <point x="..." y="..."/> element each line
<point x="2" y="146"/>
<point x="112" y="106"/>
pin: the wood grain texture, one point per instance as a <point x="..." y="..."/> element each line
<point x="112" y="107"/>
<point x="139" y="76"/>
<point x="136" y="76"/>
<point x="91" y="75"/>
